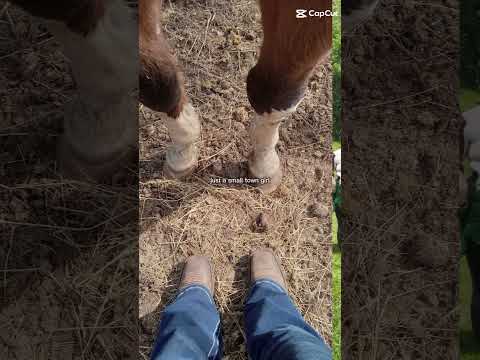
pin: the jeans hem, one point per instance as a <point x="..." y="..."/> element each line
<point x="268" y="282"/>
<point x="188" y="288"/>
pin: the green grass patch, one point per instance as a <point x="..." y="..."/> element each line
<point x="336" y="144"/>
<point x="336" y="293"/>
<point x="337" y="71"/>
<point x="469" y="98"/>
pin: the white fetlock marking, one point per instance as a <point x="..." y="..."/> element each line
<point x="265" y="162"/>
<point x="104" y="63"/>
<point x="99" y="136"/>
<point x="184" y="132"/>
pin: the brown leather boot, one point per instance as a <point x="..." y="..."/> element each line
<point x="198" y="271"/>
<point x="265" y="265"/>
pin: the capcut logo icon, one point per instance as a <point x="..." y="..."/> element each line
<point x="301" y="13"/>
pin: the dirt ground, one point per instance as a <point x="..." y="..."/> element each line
<point x="68" y="250"/>
<point x="400" y="176"/>
<point x="217" y="43"/>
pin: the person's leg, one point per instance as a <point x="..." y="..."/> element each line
<point x="274" y="326"/>
<point x="190" y="326"/>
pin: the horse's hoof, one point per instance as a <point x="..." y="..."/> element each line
<point x="174" y="174"/>
<point x="180" y="163"/>
<point x="73" y="166"/>
<point x="270" y="184"/>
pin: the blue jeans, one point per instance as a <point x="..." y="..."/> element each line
<point x="275" y="329"/>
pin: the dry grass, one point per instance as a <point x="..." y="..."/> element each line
<point x="400" y="162"/>
<point x="68" y="250"/>
<point x="216" y="43"/>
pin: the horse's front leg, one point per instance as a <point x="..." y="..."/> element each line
<point x="100" y="38"/>
<point x="162" y="89"/>
<point x="291" y="48"/>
